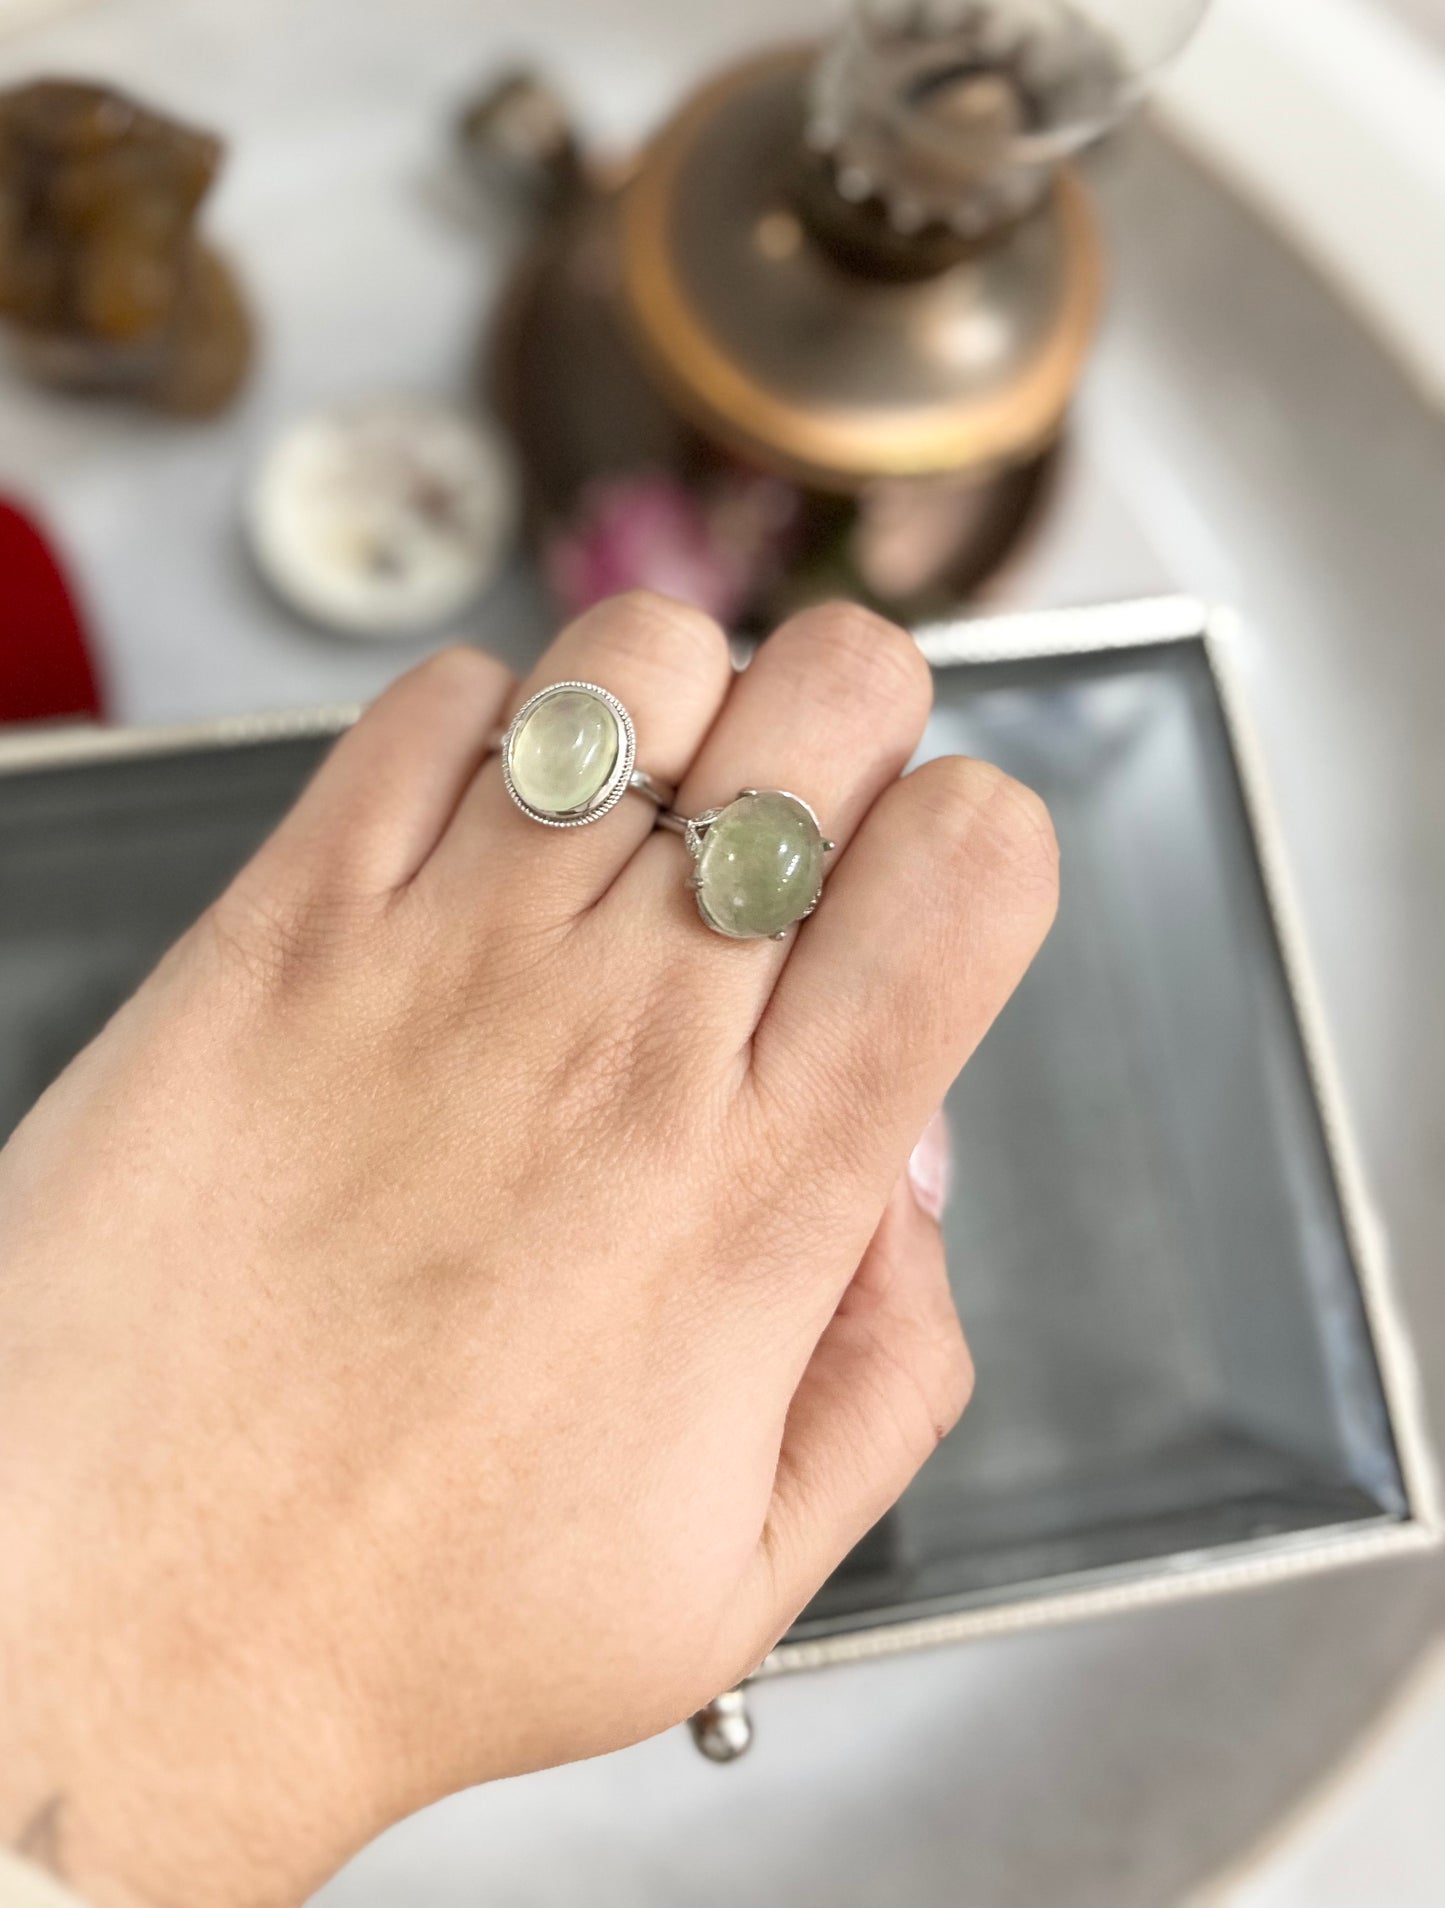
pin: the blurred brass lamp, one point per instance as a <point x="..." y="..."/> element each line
<point x="822" y="334"/>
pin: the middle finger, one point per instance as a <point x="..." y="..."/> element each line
<point x="669" y="666"/>
<point x="831" y="708"/>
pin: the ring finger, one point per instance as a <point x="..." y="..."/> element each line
<point x="831" y="709"/>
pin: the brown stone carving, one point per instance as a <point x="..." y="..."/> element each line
<point x="104" y="279"/>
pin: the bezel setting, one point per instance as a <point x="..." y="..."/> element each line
<point x="695" y="833"/>
<point x="617" y="783"/>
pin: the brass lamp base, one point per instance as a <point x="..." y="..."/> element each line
<point x="692" y="325"/>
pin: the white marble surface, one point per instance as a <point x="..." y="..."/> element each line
<point x="1235" y="437"/>
<point x="1373" y="1837"/>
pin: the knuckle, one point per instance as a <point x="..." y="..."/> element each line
<point x="458" y="669"/>
<point x="913" y="1385"/>
<point x="621" y="1072"/>
<point x="803" y="1162"/>
<point x="641" y="626"/>
<point x="928" y="1376"/>
<point x="999" y="826"/>
<point x="281" y="942"/>
<point x="953" y="1382"/>
<point x="450" y="675"/>
<point x="859" y="657"/>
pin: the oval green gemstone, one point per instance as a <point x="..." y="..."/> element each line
<point x="563" y="755"/>
<point x="760" y="867"/>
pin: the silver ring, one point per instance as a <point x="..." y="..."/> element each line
<point x="570" y="754"/>
<point x="757" y="862"/>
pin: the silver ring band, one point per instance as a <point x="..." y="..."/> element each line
<point x="641" y="783"/>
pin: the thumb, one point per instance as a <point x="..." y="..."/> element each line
<point x="889" y="1377"/>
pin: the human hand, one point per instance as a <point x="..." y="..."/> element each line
<point x="460" y="1310"/>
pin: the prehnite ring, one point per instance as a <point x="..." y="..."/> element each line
<point x="570" y="755"/>
<point x="757" y="863"/>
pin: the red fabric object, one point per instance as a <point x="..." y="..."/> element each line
<point x="45" y="667"/>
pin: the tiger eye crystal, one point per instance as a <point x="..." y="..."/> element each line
<point x="760" y="865"/>
<point x="105" y="279"/>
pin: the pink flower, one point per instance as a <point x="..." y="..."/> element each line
<point x="713" y="547"/>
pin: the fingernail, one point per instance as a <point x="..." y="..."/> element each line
<point x="930" y="1164"/>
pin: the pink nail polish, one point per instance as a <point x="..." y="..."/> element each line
<point x="930" y="1164"/>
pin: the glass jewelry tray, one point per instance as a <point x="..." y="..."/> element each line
<point x="1191" y="1370"/>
